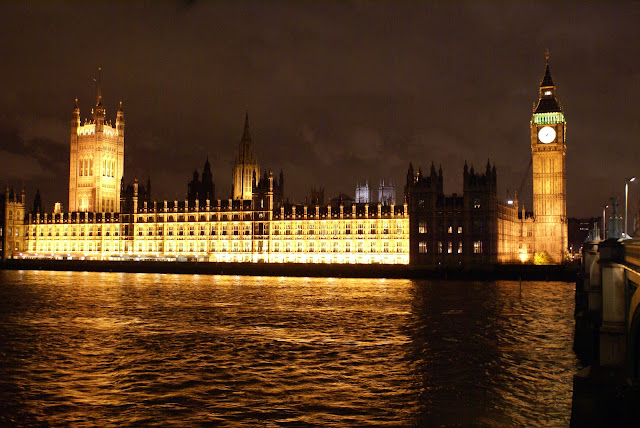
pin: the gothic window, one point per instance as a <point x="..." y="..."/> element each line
<point x="398" y="246"/>
<point x="347" y="247"/>
<point x="360" y="228"/>
<point x="439" y="247"/>
<point x="477" y="247"/>
<point x="422" y="247"/>
<point x="450" y="229"/>
<point x="459" y="247"/>
<point x="347" y="229"/>
<point x="90" y="166"/>
<point x="373" y="228"/>
<point x="449" y="247"/>
<point x="459" y="229"/>
<point x="422" y="226"/>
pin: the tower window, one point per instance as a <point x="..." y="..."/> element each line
<point x="547" y="92"/>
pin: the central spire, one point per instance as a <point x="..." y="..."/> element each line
<point x="246" y="149"/>
<point x="246" y="166"/>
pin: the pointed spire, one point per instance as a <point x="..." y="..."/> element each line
<point x="546" y="80"/>
<point x="246" y="149"/>
<point x="75" y="105"/>
<point x="547" y="102"/>
<point x="246" y="136"/>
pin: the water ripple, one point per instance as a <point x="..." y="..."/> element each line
<point x="113" y="349"/>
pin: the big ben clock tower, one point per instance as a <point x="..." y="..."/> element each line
<point x="548" y="150"/>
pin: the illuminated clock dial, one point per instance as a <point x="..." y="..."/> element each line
<point x="546" y="135"/>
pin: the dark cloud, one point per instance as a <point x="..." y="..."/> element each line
<point x="337" y="92"/>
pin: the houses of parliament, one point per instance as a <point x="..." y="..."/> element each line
<point x="107" y="220"/>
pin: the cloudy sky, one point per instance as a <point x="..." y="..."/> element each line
<point x="336" y="92"/>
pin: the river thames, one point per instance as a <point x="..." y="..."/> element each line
<point x="116" y="349"/>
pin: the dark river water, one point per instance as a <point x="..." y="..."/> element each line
<point x="114" y="349"/>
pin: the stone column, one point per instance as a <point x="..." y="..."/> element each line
<point x="612" y="332"/>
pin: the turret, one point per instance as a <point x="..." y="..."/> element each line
<point x="75" y="119"/>
<point x="120" y="120"/>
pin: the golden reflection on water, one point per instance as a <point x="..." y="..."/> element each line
<point x="140" y="349"/>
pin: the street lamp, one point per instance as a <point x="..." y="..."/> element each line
<point x="604" y="222"/>
<point x="626" y="202"/>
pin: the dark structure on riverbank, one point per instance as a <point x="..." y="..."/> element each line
<point x="607" y="336"/>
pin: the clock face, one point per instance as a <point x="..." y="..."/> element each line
<point x="546" y="135"/>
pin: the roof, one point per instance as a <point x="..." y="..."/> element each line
<point x="547" y="105"/>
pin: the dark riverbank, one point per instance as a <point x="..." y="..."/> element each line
<point x="482" y="272"/>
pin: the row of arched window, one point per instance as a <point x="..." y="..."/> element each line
<point x="85" y="167"/>
<point x="108" y="168"/>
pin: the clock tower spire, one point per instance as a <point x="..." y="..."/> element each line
<point x="548" y="150"/>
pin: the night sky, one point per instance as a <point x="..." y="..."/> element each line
<point x="337" y="93"/>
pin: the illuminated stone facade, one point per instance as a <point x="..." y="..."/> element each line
<point x="253" y="226"/>
<point x="256" y="224"/>
<point x="96" y="160"/>
<point x="12" y="224"/>
<point x="548" y="148"/>
<point x="226" y="231"/>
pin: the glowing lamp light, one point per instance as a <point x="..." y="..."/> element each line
<point x="510" y="202"/>
<point x="523" y="257"/>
